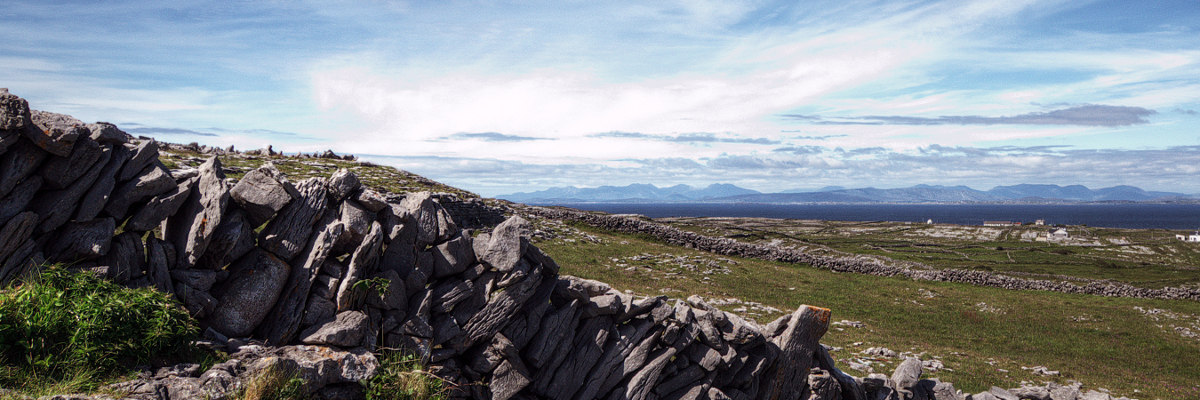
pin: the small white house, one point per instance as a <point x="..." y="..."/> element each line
<point x="1059" y="233"/>
<point x="1039" y="222"/>
<point x="1193" y="238"/>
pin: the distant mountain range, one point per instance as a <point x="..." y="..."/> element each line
<point x="727" y="193"/>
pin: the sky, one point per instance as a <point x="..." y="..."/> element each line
<point x="499" y="97"/>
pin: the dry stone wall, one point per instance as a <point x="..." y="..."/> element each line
<point x="318" y="274"/>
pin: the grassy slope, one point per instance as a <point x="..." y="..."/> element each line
<point x="1141" y="257"/>
<point x="1103" y="342"/>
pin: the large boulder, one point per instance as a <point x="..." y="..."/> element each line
<point x="287" y="234"/>
<point x="347" y="329"/>
<point x="505" y="245"/>
<point x="249" y="293"/>
<point x="55" y="133"/>
<point x="82" y="240"/>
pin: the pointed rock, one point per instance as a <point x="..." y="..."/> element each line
<point x="283" y="322"/>
<point x="160" y="207"/>
<point x="797" y="344"/>
<point x="506" y="244"/>
<point x="288" y="233"/>
<point x="191" y="228"/>
<point x="154" y="180"/>
<point x="145" y="153"/>
<point x="341" y="184"/>
<point x="364" y="263"/>
<point x="232" y="239"/>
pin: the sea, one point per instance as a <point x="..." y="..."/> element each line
<point x="1111" y="215"/>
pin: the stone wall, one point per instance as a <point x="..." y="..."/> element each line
<point x="855" y="263"/>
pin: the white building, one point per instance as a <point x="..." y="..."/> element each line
<point x="1059" y="233"/>
<point x="1193" y="238"/>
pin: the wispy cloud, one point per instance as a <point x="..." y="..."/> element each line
<point x="1084" y="115"/>
<point x="698" y="137"/>
<point x="492" y="137"/>
<point x="152" y="131"/>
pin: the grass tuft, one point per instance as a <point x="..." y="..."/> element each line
<point x="66" y="331"/>
<point x="275" y="382"/>
<point x="401" y="376"/>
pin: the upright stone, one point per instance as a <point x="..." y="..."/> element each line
<point x="14" y="117"/>
<point x="287" y="234"/>
<point x="191" y="229"/>
<point x="154" y="180"/>
<point x="97" y="196"/>
<point x="232" y="239"/>
<point x="249" y="293"/>
<point x="15" y="232"/>
<point x="19" y="197"/>
<point x="797" y="345"/>
<point x="283" y="322"/>
<point x="362" y="265"/>
<point x="126" y="258"/>
<point x="57" y="206"/>
<point x="158" y="264"/>
<point x="422" y="211"/>
<point x="263" y="192"/>
<point x="341" y="184"/>
<point x="506" y="244"/>
<point x="143" y="154"/>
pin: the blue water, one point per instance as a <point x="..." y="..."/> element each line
<point x="1142" y="216"/>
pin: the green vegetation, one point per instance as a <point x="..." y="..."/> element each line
<point x="1134" y="347"/>
<point x="401" y="377"/>
<point x="64" y="331"/>
<point x="1150" y="258"/>
<point x="274" y="382"/>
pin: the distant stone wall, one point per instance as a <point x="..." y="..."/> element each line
<point x="322" y="270"/>
<point x="470" y="213"/>
<point x="854" y="263"/>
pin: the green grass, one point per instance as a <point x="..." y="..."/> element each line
<point x="274" y="382"/>
<point x="1103" y="342"/>
<point x="401" y="377"/>
<point x="64" y="331"/>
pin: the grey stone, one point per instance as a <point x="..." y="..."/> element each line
<point x="347" y="329"/>
<point x="362" y="264"/>
<point x="946" y="391"/>
<point x="158" y="264"/>
<point x="797" y="343"/>
<point x="160" y="207"/>
<point x="145" y="153"/>
<point x="53" y="132"/>
<point x="341" y="184"/>
<point x="394" y="296"/>
<point x="499" y="310"/>
<point x="232" y="239"/>
<point x="318" y="366"/>
<point x="284" y="321"/>
<point x="198" y="302"/>
<point x="288" y="233"/>
<point x="680" y="380"/>
<point x="1094" y="395"/>
<point x="506" y="244"/>
<point x="852" y="389"/>
<point x="643" y="382"/>
<point x="82" y="240"/>
<point x="823" y="386"/>
<point x="371" y="200"/>
<point x="14" y="112"/>
<point x="452" y="257"/>
<point x="152" y="181"/>
<point x="15" y="232"/>
<point x="263" y="192"/>
<point x="97" y="196"/>
<point x="59" y="172"/>
<point x="317" y="310"/>
<point x="579" y="288"/>
<point x="615" y="352"/>
<point x="983" y="396"/>
<point x="587" y="349"/>
<point x="19" y="162"/>
<point x="249" y="293"/>
<point x="104" y="132"/>
<point x="20" y="260"/>
<point x="907" y="373"/>
<point x="357" y="219"/>
<point x="56" y="207"/>
<point x="190" y="230"/>
<point x="422" y="211"/>
<point x="19" y="197"/>
<point x="509" y="378"/>
<point x="126" y="258"/>
<point x="999" y="393"/>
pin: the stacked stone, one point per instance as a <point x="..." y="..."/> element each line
<point x="857" y="263"/>
<point x="322" y="272"/>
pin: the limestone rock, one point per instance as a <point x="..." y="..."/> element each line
<point x="15" y="232"/>
<point x="796" y="344"/>
<point x="263" y="192"/>
<point x="19" y="197"/>
<point x="506" y="244"/>
<point x="59" y="172"/>
<point x="160" y="207"/>
<point x="53" y="132"/>
<point x="348" y="329"/>
<point x="232" y="239"/>
<point x="190" y="230"/>
<point x="97" y="196"/>
<point x="422" y="211"/>
<point x="82" y="240"/>
<point x="907" y="373"/>
<point x="158" y="264"/>
<point x="14" y="115"/>
<point x="284" y="321"/>
<point x="126" y="257"/>
<point x="287" y="234"/>
<point x="20" y="260"/>
<point x="145" y="153"/>
<point x="357" y="219"/>
<point x="104" y="132"/>
<point x="453" y="257"/>
<point x="20" y="161"/>
<point x="153" y="180"/>
<point x="56" y="207"/>
<point x="248" y="295"/>
<point x="362" y="264"/>
<point x="341" y="184"/>
<point x="371" y="200"/>
<point x="319" y="366"/>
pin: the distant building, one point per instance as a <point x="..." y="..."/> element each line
<point x="1193" y="238"/>
<point x="930" y="222"/>
<point x="1000" y="223"/>
<point x="1059" y="233"/>
<point x="1039" y="222"/>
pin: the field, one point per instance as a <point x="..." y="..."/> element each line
<point x="1150" y="258"/>
<point x="981" y="336"/>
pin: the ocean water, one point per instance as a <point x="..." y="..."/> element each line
<point x="1125" y="215"/>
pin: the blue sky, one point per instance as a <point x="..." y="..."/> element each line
<point x="498" y="97"/>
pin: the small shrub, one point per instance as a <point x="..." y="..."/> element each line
<point x="59" y="324"/>
<point x="274" y="382"/>
<point x="401" y="376"/>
